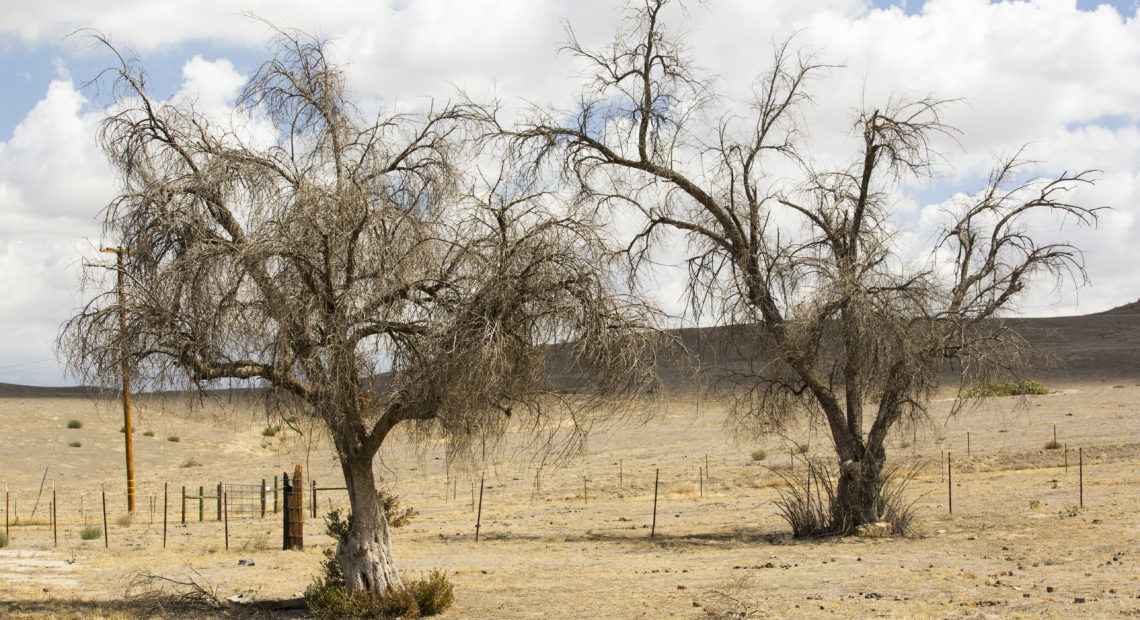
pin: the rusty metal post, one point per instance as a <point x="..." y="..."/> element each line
<point x="656" y="479"/>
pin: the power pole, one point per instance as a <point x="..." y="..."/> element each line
<point x="119" y="252"/>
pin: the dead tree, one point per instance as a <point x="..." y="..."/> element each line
<point x="350" y="265"/>
<point x="836" y="316"/>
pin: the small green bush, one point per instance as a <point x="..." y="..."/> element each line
<point x="759" y="455"/>
<point x="173" y="439"/>
<point x="1012" y="388"/>
<point x="270" y="431"/>
<point x="803" y="448"/>
<point x="90" y="532"/>
<point x="123" y="429"/>
<point x="74" y="424"/>
<point x="3" y="540"/>
<point x="1052" y="445"/>
<point x="75" y="444"/>
<point x="148" y="434"/>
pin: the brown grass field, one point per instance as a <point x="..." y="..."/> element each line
<point x="1016" y="545"/>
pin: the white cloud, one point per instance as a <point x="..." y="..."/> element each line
<point x="1036" y="73"/>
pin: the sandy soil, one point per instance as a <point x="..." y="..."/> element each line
<point x="1016" y="545"/>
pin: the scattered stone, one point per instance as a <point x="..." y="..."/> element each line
<point x="240" y="599"/>
<point x="682" y="587"/>
<point x="1048" y="588"/>
<point x="245" y="562"/>
<point x="1079" y="599"/>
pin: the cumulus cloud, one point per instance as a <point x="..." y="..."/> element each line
<point x="1063" y="83"/>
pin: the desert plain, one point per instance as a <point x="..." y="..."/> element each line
<point x="1033" y="532"/>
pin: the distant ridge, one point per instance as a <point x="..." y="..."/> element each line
<point x="1102" y="346"/>
<point x="1132" y="308"/>
<point x="11" y="390"/>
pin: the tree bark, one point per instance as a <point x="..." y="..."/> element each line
<point x="365" y="554"/>
<point x="859" y="493"/>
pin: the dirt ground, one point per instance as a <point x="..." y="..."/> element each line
<point x="576" y="543"/>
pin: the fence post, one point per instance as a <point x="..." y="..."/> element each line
<point x="653" y="528"/>
<point x="275" y="495"/>
<point x="219" y="497"/>
<point x="263" y="498"/>
<point x="165" y="493"/>
<point x="106" y="538"/>
<point x="479" y="518"/>
<point x="54" y="517"/>
<point x="313" y="484"/>
<point x="1081" y="474"/>
<point x="183" y="504"/>
<point x="201" y="500"/>
<point x="226" y="502"/>
<point x="294" y="511"/>
<point x="949" y="485"/>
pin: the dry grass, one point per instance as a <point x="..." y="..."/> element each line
<point x="584" y="557"/>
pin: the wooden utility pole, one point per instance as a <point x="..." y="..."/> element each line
<point x="119" y="252"/>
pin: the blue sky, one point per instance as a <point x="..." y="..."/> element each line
<point x="1058" y="77"/>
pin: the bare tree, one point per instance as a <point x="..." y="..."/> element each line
<point x="351" y="266"/>
<point x="837" y="316"/>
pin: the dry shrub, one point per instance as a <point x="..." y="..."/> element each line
<point x="258" y="542"/>
<point x="160" y="595"/>
<point x="125" y="520"/>
<point x="731" y="601"/>
<point x="809" y="503"/>
<point x="327" y="597"/>
<point x="90" y="532"/>
<point x="433" y="595"/>
<point x="1052" y="444"/>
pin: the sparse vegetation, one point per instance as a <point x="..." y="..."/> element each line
<point x="1011" y="388"/>
<point x="90" y="532"/>
<point x="759" y="455"/>
<point x="75" y="444"/>
<point x="3" y="540"/>
<point x="148" y="434"/>
<point x="173" y="439"/>
<point x="1034" y="504"/>
<point x="327" y="596"/>
<point x="809" y="503"/>
<point x="74" y="424"/>
<point x="123" y="429"/>
<point x="803" y="448"/>
<point x="271" y="430"/>
<point x="1052" y="444"/>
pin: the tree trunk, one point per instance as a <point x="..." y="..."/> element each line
<point x="858" y="498"/>
<point x="365" y="554"/>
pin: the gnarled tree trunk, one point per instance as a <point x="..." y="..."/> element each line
<point x="365" y="553"/>
<point x="858" y="495"/>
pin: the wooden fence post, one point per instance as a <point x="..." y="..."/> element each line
<point x="183" y="504"/>
<point x="201" y="500"/>
<point x="295" y="511"/>
<point x="262" y="498"/>
<point x="219" y="497"/>
<point x="313" y="483"/>
<point x="275" y="494"/>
